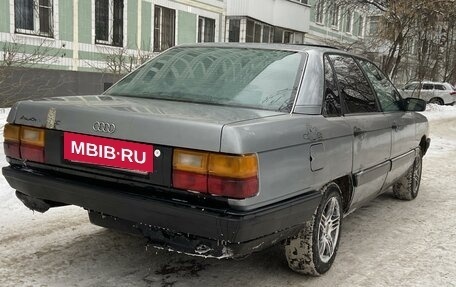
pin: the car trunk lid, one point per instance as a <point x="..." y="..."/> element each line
<point x="177" y="124"/>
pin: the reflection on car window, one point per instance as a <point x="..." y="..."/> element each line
<point x="428" y="86"/>
<point x="265" y="79"/>
<point x="354" y="88"/>
<point x="331" y="104"/>
<point x="386" y="93"/>
<point x="413" y="86"/>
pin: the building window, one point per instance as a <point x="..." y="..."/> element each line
<point x="34" y="17"/>
<point x="257" y="32"/>
<point x="249" y="31"/>
<point x="164" y="28"/>
<point x="234" y="29"/>
<point x="267" y="31"/>
<point x="334" y="16"/>
<point x="109" y="22"/>
<point x="206" y="30"/>
<point x="283" y="36"/>
<point x="319" y="11"/>
<point x="373" y="25"/>
<point x="361" y="26"/>
<point x="348" y="23"/>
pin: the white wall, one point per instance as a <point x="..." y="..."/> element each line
<point x="282" y="13"/>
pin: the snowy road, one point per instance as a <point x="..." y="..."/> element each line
<point x="387" y="243"/>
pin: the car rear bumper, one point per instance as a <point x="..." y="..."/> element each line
<point x="171" y="224"/>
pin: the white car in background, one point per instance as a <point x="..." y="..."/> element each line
<point x="431" y="92"/>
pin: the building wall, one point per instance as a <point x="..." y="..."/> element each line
<point x="74" y="44"/>
<point x="327" y="34"/>
<point x="71" y="63"/>
<point x="281" y="13"/>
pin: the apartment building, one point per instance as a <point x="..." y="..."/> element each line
<point x="334" y="25"/>
<point x="84" y="33"/>
<point x="267" y="21"/>
<point x="82" y="43"/>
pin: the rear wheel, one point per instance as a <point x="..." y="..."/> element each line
<point x="407" y="187"/>
<point x="314" y="249"/>
<point x="437" y="101"/>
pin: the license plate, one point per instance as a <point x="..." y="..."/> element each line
<point x="108" y="152"/>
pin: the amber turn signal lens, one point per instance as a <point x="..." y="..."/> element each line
<point x="233" y="166"/>
<point x="11" y="133"/>
<point x="191" y="161"/>
<point x="32" y="136"/>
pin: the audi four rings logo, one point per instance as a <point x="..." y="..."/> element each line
<point x="104" y="127"/>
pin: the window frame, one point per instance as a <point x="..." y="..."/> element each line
<point x="234" y="31"/>
<point x="202" y="26"/>
<point x="36" y="31"/>
<point x="159" y="47"/>
<point x="361" y="26"/>
<point x="336" y="84"/>
<point x="344" y="108"/>
<point x="111" y="12"/>
<point x="440" y="85"/>
<point x="320" y="12"/>
<point x="357" y="59"/>
<point x="349" y="23"/>
<point x="334" y="16"/>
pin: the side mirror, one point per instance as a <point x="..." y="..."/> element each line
<point x="413" y="105"/>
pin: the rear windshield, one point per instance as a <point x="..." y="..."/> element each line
<point x="255" y="78"/>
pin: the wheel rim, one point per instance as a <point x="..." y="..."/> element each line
<point x="328" y="233"/>
<point x="417" y="175"/>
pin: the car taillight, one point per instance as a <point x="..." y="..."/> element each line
<point x="11" y="135"/>
<point x="234" y="176"/>
<point x="190" y="170"/>
<point x="22" y="142"/>
<point x="453" y="93"/>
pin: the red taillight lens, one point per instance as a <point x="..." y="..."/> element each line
<point x="453" y="93"/>
<point x="190" y="181"/>
<point x="32" y="153"/>
<point x="234" y="176"/>
<point x="11" y="135"/>
<point x="22" y="142"/>
<point x="12" y="149"/>
<point x="234" y="188"/>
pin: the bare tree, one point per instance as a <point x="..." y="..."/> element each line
<point x="15" y="58"/>
<point x="120" y="60"/>
<point x="417" y="30"/>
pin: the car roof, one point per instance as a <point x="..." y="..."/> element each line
<point x="285" y="47"/>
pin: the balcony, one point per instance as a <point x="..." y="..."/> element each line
<point x="282" y="13"/>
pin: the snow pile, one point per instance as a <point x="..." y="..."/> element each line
<point x="6" y="200"/>
<point x="437" y="112"/>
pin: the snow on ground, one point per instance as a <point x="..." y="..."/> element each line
<point x="437" y="114"/>
<point x="386" y="243"/>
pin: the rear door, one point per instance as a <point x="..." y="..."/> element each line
<point x="371" y="132"/>
<point x="427" y="91"/>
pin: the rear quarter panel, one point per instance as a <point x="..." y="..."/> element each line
<point x="283" y="147"/>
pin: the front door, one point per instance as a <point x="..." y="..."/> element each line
<point x="402" y="123"/>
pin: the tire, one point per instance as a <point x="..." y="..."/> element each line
<point x="303" y="251"/>
<point x="437" y="101"/>
<point x="407" y="187"/>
